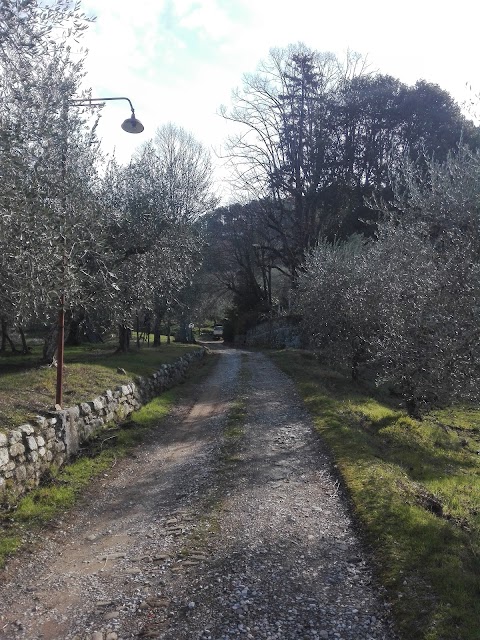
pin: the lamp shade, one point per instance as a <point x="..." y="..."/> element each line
<point x="132" y="125"/>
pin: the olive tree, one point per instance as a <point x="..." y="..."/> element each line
<point x="51" y="239"/>
<point x="336" y="302"/>
<point x="426" y="344"/>
<point x="153" y="205"/>
<point x="427" y="257"/>
<point x="407" y="302"/>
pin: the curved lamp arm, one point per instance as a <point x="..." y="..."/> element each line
<point x="130" y="125"/>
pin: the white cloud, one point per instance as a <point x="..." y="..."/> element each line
<point x="209" y="18"/>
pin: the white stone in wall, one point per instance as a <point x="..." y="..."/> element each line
<point x="27" y="429"/>
<point x="85" y="408"/>
<point x="17" y="449"/>
<point x="4" y="457"/>
<point x="21" y="473"/>
<point x="40" y="421"/>
<point x="32" y="443"/>
<point x="74" y="413"/>
<point x="96" y="404"/>
<point x="14" y="437"/>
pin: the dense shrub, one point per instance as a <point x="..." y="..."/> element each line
<point x="407" y="303"/>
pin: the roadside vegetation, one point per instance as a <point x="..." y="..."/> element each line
<point x="415" y="489"/>
<point x="20" y="522"/>
<point x="90" y="369"/>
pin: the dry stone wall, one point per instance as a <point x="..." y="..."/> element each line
<point x="277" y="333"/>
<point x="30" y="450"/>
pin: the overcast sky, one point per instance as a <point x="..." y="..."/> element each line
<point x="179" y="60"/>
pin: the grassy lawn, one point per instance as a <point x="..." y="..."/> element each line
<point x="27" y="388"/>
<point x="415" y="489"/>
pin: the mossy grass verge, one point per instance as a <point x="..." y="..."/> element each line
<point x="63" y="487"/>
<point x="233" y="434"/>
<point x="28" y="388"/>
<point x="415" y="489"/>
<point x="234" y="429"/>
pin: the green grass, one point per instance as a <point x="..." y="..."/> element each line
<point x="415" y="489"/>
<point x="8" y="545"/>
<point x="234" y="425"/>
<point x="235" y="420"/>
<point x="61" y="490"/>
<point x="27" y="388"/>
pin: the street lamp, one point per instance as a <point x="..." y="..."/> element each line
<point x="130" y="125"/>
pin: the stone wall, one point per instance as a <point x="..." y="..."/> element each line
<point x="275" y="334"/>
<point x="29" y="450"/>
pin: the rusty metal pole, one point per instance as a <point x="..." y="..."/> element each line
<point x="63" y="235"/>
<point x="60" y="348"/>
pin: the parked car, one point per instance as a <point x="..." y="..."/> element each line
<point x="218" y="331"/>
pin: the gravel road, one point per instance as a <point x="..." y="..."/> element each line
<point x="216" y="530"/>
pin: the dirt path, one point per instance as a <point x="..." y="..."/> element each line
<point x="216" y="530"/>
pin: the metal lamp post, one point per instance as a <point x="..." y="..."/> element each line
<point x="130" y="125"/>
